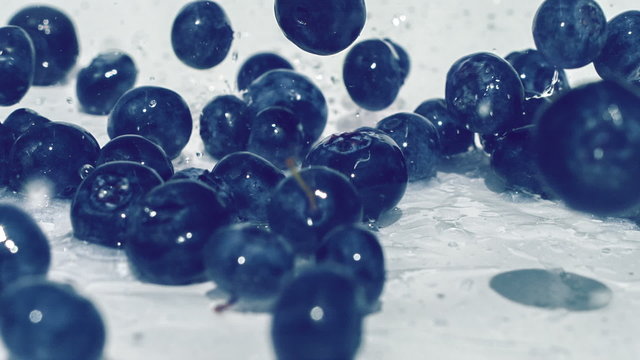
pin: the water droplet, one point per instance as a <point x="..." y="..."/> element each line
<point x="85" y="170"/>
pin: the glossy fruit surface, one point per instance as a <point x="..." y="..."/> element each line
<point x="537" y="74"/>
<point x="21" y="120"/>
<point x="137" y="149"/>
<point x="259" y="64"/>
<point x="17" y="58"/>
<point x="620" y="57"/>
<point x="225" y="125"/>
<point x="454" y="138"/>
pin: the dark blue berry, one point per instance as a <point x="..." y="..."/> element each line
<point x="6" y="142"/>
<point x="201" y="35"/>
<point x="244" y="182"/>
<point x="21" y="120"/>
<point x="419" y="141"/>
<point x="55" y="153"/>
<point x="587" y="146"/>
<point x="294" y="92"/>
<point x="41" y="320"/>
<point x="189" y="174"/>
<point x="54" y="39"/>
<point x="537" y="74"/>
<point x="359" y="251"/>
<point x="276" y="134"/>
<point x="259" y="64"/>
<point x="620" y="57"/>
<point x="569" y="33"/>
<point x="156" y="113"/>
<point x="137" y="149"/>
<point x="321" y="27"/>
<point x="17" y="59"/>
<point x="483" y="92"/>
<point x="315" y="201"/>
<point x="169" y="227"/>
<point x="224" y="126"/>
<point x="247" y="261"/>
<point x="454" y="138"/>
<point x="100" y="210"/>
<point x="101" y="84"/>
<point x="374" y="72"/>
<point x="372" y="161"/>
<point x="25" y="249"/>
<point x="318" y="318"/>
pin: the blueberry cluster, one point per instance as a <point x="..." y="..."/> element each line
<point x="284" y="218"/>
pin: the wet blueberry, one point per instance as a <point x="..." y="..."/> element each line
<point x="259" y="64"/>
<point x="21" y="120"/>
<point x="620" y="57"/>
<point x="17" y="59"/>
<point x="201" y="35"/>
<point x="276" y="134"/>
<point x="454" y="138"/>
<point x="224" y="126"/>
<point x="100" y="85"/>
<point x="156" y="113"/>
<point x="321" y="27"/>
<point x="54" y="40"/>
<point x="137" y="149"/>
<point x="537" y="74"/>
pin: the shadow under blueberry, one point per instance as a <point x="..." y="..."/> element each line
<point x="553" y="289"/>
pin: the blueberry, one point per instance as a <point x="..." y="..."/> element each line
<point x="21" y="120"/>
<point x="276" y="134"/>
<point x="454" y="138"/>
<point x="54" y="152"/>
<point x="259" y="64"/>
<point x="156" y="113"/>
<point x="537" y="74"/>
<point x="419" y="141"/>
<point x="54" y="39"/>
<point x="100" y="210"/>
<point x="41" y="320"/>
<point x="317" y="318"/>
<point x="620" y="57"/>
<point x="168" y="229"/>
<point x="244" y="181"/>
<point x="138" y="149"/>
<point x="17" y="60"/>
<point x="189" y="174"/>
<point x="101" y="84"/>
<point x="587" y="146"/>
<point x="321" y="27"/>
<point x="374" y="72"/>
<point x="359" y="251"/>
<point x="315" y="201"/>
<point x="25" y="251"/>
<point x="248" y="261"/>
<point x="483" y="92"/>
<point x="569" y="33"/>
<point x="292" y="91"/>
<point x="372" y="161"/>
<point x="224" y="126"/>
<point x="6" y="142"/>
<point x="201" y="35"/>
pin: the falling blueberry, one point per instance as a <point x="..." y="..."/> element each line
<point x="259" y="64"/>
<point x="537" y="74"/>
<point x="620" y="57"/>
<point x="17" y="59"/>
<point x="138" y="149"/>
<point x="454" y="138"/>
<point x="224" y="126"/>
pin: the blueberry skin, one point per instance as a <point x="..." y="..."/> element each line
<point x="224" y="126"/>
<point x="483" y="92"/>
<point x="295" y="92"/>
<point x="321" y="27"/>
<point x="29" y="254"/>
<point x="587" y="146"/>
<point x="317" y="318"/>
<point x="620" y="57"/>
<point x="373" y="163"/>
<point x="100" y="85"/>
<point x="21" y="120"/>
<point x="454" y="138"/>
<point x="244" y="182"/>
<point x="6" y="142"/>
<point x="42" y="320"/>
<point x="359" y="251"/>
<point x="201" y="35"/>
<point x="169" y="227"/>
<point x="100" y="209"/>
<point x="17" y="60"/>
<point x="326" y="200"/>
<point x="276" y="134"/>
<point x="537" y="74"/>
<point x="259" y="64"/>
<point x="156" y="113"/>
<point x="54" y="40"/>
<point x="569" y="33"/>
<point x="419" y="141"/>
<point x="55" y="152"/>
<point x="137" y="149"/>
<point x="248" y="261"/>
<point x="374" y="72"/>
<point x="189" y="174"/>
